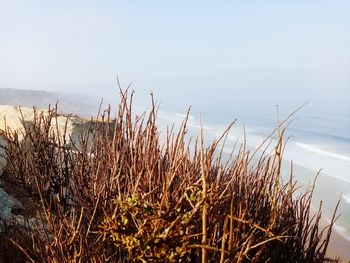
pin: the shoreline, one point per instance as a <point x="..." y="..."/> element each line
<point x="325" y="191"/>
<point x="338" y="247"/>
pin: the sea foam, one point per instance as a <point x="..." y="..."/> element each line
<point x="346" y="198"/>
<point x="316" y="149"/>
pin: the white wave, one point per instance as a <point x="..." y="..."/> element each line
<point x="346" y="197"/>
<point x="204" y="127"/>
<point x="300" y="163"/>
<point x="341" y="230"/>
<point x="315" y="149"/>
<point x="190" y="117"/>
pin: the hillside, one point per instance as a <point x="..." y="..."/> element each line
<point x="82" y="105"/>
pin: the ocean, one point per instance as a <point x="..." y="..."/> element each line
<point x="317" y="144"/>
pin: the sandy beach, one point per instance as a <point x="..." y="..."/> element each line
<point x="339" y="247"/>
<point x="328" y="191"/>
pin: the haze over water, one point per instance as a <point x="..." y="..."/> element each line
<point x="227" y="59"/>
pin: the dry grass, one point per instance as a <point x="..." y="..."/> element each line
<point x="120" y="195"/>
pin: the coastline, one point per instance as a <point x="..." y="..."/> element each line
<point x="338" y="247"/>
<point x="328" y="190"/>
<point x="325" y="191"/>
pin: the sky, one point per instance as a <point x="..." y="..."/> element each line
<point x="219" y="56"/>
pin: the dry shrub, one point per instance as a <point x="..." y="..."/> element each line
<point x="122" y="195"/>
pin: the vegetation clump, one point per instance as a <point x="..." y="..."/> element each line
<point x="121" y="194"/>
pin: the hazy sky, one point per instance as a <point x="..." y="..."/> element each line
<point x="211" y="54"/>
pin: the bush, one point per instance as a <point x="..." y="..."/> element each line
<point x="122" y="195"/>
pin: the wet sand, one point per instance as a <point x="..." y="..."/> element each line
<point x="339" y="247"/>
<point x="328" y="190"/>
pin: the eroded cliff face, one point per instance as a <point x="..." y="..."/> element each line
<point x="15" y="118"/>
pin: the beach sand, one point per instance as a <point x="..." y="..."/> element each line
<point x="339" y="247"/>
<point x="328" y="190"/>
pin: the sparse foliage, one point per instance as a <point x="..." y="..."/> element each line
<point x="122" y="195"/>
